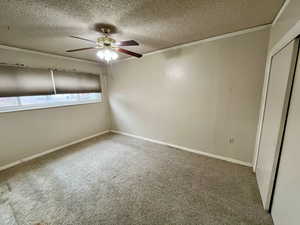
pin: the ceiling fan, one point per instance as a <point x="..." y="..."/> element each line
<point x="107" y="45"/>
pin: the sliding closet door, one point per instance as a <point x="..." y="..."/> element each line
<point x="286" y="202"/>
<point x="279" y="89"/>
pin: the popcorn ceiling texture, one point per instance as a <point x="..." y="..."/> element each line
<point x="156" y="24"/>
<point x="118" y="180"/>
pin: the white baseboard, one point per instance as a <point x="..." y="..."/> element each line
<point x="51" y="150"/>
<point x="130" y="135"/>
<point x="186" y="149"/>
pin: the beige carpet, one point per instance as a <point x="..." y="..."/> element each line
<point x="116" y="180"/>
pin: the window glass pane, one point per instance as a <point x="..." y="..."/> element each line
<point x="33" y="100"/>
<point x="63" y="98"/>
<point x="90" y="96"/>
<point x="9" y="101"/>
<point x="47" y="100"/>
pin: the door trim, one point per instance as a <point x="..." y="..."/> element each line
<point x="286" y="39"/>
<point x="280" y="142"/>
<point x="267" y="201"/>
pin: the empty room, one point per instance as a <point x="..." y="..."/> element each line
<point x="149" y="112"/>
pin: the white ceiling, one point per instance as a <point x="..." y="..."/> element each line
<point x="45" y="25"/>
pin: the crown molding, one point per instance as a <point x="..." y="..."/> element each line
<point x="283" y="7"/>
<point x="223" y="36"/>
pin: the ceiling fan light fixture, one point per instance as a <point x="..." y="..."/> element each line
<point x="109" y="46"/>
<point x="107" y="55"/>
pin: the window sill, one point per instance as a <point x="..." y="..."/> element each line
<point x="48" y="106"/>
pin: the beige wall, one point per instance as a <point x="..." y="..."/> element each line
<point x="26" y="133"/>
<point x="197" y="97"/>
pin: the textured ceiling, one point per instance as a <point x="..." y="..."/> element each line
<point x="45" y="25"/>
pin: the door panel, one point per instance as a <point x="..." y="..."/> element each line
<point x="286" y="201"/>
<point x="279" y="88"/>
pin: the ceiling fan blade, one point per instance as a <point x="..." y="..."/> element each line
<point x="84" y="39"/>
<point x="80" y="49"/>
<point x="129" y="52"/>
<point x="127" y="43"/>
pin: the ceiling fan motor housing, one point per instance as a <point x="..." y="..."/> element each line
<point x="106" y="41"/>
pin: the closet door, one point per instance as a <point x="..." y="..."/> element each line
<point x="278" y="93"/>
<point x="286" y="200"/>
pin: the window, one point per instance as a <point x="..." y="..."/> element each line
<point x="8" y="104"/>
<point x="28" y="88"/>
